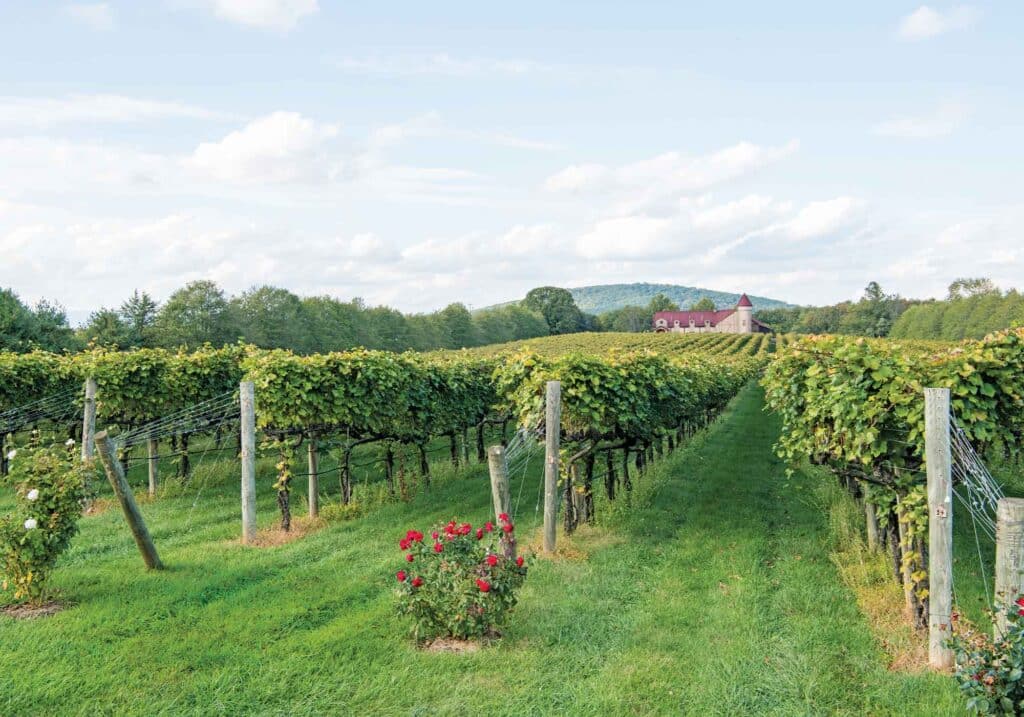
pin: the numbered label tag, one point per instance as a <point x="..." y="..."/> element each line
<point x="940" y="512"/>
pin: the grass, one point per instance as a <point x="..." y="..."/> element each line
<point x="713" y="594"/>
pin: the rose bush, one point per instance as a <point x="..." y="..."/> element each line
<point x="49" y="485"/>
<point x="458" y="583"/>
<point x="990" y="671"/>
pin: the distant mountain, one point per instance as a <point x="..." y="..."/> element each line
<point x="606" y="297"/>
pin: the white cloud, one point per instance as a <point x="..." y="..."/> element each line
<point x="51" y="111"/>
<point x="579" y="177"/>
<point x="439" y="63"/>
<point x="928" y="22"/>
<point x="651" y="181"/>
<point x="730" y="214"/>
<point x="822" y="218"/>
<point x="940" y="123"/>
<point x="430" y="124"/>
<point x="281" y="147"/>
<point x="266" y="14"/>
<point x="97" y="16"/>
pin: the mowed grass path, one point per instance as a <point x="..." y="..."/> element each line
<point x="714" y="598"/>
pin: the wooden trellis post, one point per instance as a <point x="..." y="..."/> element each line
<point x="501" y="495"/>
<point x="247" y="399"/>
<point x="940" y="526"/>
<point x="89" y="421"/>
<point x="115" y="474"/>
<point x="1009" y="557"/>
<point x="552" y="436"/>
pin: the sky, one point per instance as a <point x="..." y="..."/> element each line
<point x="417" y="154"/>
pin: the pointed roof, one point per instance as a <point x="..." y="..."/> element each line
<point x="744" y="301"/>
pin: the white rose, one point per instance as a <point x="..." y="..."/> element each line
<point x="11" y="454"/>
<point x="69" y="442"/>
<point x="31" y="524"/>
<point x="33" y="494"/>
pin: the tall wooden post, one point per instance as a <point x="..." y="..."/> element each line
<point x="115" y="474"/>
<point x="501" y="495"/>
<point x="552" y="436"/>
<point x="247" y="396"/>
<point x="940" y="526"/>
<point x="1009" y="557"/>
<point x="89" y="420"/>
<point x="314" y="478"/>
<point x="152" y="448"/>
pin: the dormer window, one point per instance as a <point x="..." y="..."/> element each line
<point x="677" y="322"/>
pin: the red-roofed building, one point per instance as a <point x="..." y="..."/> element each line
<point x="739" y="320"/>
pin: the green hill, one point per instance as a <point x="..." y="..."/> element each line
<point x="606" y="297"/>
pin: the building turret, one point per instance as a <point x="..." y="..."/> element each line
<point x="745" y="312"/>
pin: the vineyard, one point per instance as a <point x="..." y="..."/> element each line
<point x="673" y="514"/>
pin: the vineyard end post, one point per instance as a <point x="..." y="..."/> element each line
<point x="314" y="477"/>
<point x="89" y="421"/>
<point x="152" y="449"/>
<point x="247" y="401"/>
<point x="498" y="465"/>
<point x="552" y="435"/>
<point x="115" y="474"/>
<point x="940" y="527"/>
<point x="1009" y="557"/>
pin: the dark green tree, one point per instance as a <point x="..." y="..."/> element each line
<point x="196" y="314"/>
<point x="703" y="304"/>
<point x="271" y="317"/>
<point x="139" y="315"/>
<point x="557" y="307"/>
<point x="107" y="328"/>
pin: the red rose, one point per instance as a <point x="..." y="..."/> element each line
<point x="401" y="576"/>
<point x="519" y="561"/>
<point x="434" y="535"/>
<point x="417" y="536"/>
<point x="1021" y="611"/>
<point x="403" y="544"/>
<point x="485" y="587"/>
<point x="417" y="581"/>
<point x="488" y="526"/>
<point x="492" y="560"/>
<point x="438" y="547"/>
<point x="503" y="517"/>
<point x="409" y="558"/>
<point x="507" y="527"/>
<point x="1020" y="601"/>
<point x="479" y="533"/>
<point x="466" y="528"/>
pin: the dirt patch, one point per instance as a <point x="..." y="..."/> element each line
<point x="97" y="507"/>
<point x="587" y="540"/>
<point x="31" y="612"/>
<point x="272" y="537"/>
<point x="450" y="644"/>
<point x="882" y="602"/>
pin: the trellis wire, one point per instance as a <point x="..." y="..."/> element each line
<point x="60" y="406"/>
<point x="203" y="416"/>
<point x="976" y="490"/>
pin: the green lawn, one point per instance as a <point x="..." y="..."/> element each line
<point x="713" y="596"/>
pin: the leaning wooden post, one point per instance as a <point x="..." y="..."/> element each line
<point x="314" y="477"/>
<point x="247" y="399"/>
<point x="89" y="421"/>
<point x="552" y="435"/>
<point x="1009" y="557"/>
<point x="940" y="526"/>
<point x="500" y="493"/>
<point x="152" y="448"/>
<point x="115" y="474"/>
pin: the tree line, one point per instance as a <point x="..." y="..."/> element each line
<point x="273" y="317"/>
<point x="266" y="316"/>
